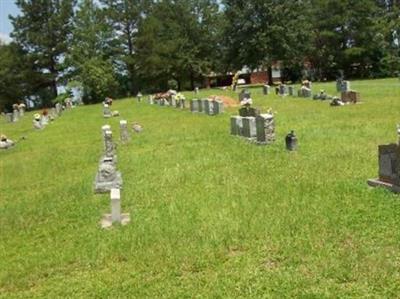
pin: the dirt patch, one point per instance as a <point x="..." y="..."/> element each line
<point x="228" y="101"/>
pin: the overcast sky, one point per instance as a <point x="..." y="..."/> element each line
<point x="7" y="7"/>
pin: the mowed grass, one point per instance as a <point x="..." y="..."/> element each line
<point x="212" y="215"/>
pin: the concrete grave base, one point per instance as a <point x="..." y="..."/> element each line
<point x="379" y="183"/>
<point x="104" y="187"/>
<point x="106" y="221"/>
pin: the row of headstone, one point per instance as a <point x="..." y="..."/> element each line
<point x="108" y="179"/>
<point x="259" y="128"/>
<point x="40" y="121"/>
<point x="172" y="102"/>
<point x="207" y="106"/>
<point x="18" y="112"/>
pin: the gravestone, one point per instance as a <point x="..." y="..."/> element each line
<point x="21" y="108"/>
<point x="124" y="133"/>
<point x="107" y="111"/>
<point x="58" y="109"/>
<point x="389" y="168"/>
<point x="283" y="90"/>
<point x="236" y="125"/>
<point x="44" y="120"/>
<point x="15" y="115"/>
<point x="196" y="90"/>
<point x="194" y="105"/>
<point x="218" y="107"/>
<point x="350" y="96"/>
<point x="116" y="216"/>
<point x="265" y="128"/>
<point x="292" y="91"/>
<point x="151" y="100"/>
<point x="249" y="127"/>
<point x="206" y="107"/>
<point x="248" y="111"/>
<point x="182" y="103"/>
<point x="201" y="105"/>
<point x="173" y="101"/>
<point x="305" y="92"/>
<point x="344" y="86"/>
<point x="244" y="94"/>
<point x="107" y="177"/>
<point x="109" y="145"/>
<point x="266" y="89"/>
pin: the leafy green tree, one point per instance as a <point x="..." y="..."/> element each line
<point x="177" y="40"/>
<point x="90" y="55"/>
<point x="18" y="80"/>
<point x="259" y="32"/>
<point x="98" y="80"/>
<point x="43" y="29"/>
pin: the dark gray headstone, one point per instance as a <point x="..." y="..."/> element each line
<point x="249" y="127"/>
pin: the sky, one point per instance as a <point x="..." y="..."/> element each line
<point x="7" y="7"/>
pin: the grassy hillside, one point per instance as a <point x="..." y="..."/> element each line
<point x="212" y="215"/>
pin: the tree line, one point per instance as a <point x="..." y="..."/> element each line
<point x="118" y="47"/>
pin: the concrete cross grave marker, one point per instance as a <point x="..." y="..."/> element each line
<point x="116" y="216"/>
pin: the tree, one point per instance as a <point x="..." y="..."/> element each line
<point x="124" y="17"/>
<point x="98" y="80"/>
<point x="18" y="80"/>
<point x="260" y="32"/>
<point x="178" y="40"/>
<point x="43" y="29"/>
<point x="90" y="55"/>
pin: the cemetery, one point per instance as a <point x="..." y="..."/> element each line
<point x="166" y="182"/>
<point x="199" y="149"/>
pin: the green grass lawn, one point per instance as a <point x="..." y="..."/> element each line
<point x="212" y="215"/>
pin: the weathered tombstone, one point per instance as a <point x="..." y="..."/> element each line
<point x="107" y="177"/>
<point x="345" y="86"/>
<point x="202" y="106"/>
<point x="283" y="90"/>
<point x="109" y="145"/>
<point x="244" y="94"/>
<point x="196" y="90"/>
<point x="151" y="99"/>
<point x="339" y="85"/>
<point x="194" y="105"/>
<point x="9" y="117"/>
<point x="350" y="96"/>
<point x="173" y="101"/>
<point x="218" y="106"/>
<point x="106" y="111"/>
<point x="389" y="168"/>
<point x="182" y="103"/>
<point x="292" y="91"/>
<point x="44" y="120"/>
<point x="206" y="107"/>
<point x="124" y="133"/>
<point x="139" y="96"/>
<point x="305" y="92"/>
<point x="59" y="109"/>
<point x="265" y="128"/>
<point x="116" y="215"/>
<point x="21" y="108"/>
<point x="266" y="89"/>
<point x="249" y="127"/>
<point x="248" y="111"/>
<point x="53" y="112"/>
<point x="15" y="115"/>
<point x="236" y="125"/>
